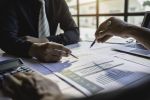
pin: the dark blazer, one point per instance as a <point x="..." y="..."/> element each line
<point x="19" y="18"/>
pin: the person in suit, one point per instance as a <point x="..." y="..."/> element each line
<point x="31" y="86"/>
<point x="28" y="28"/>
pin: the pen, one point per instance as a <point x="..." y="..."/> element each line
<point x="74" y="56"/>
<point x="93" y="43"/>
<point x="95" y="40"/>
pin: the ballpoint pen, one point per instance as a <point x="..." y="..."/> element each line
<point x="95" y="40"/>
<point x="74" y="56"/>
<point x="93" y="43"/>
<point x="108" y="24"/>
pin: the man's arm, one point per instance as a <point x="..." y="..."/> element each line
<point x="122" y="29"/>
<point x="141" y="34"/>
<point x="9" y="40"/>
<point x="12" y="44"/>
<point x="63" y="16"/>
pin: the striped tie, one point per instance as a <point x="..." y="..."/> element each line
<point x="43" y="29"/>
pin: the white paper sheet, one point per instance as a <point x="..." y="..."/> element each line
<point x="135" y="59"/>
<point x="105" y="75"/>
<point x="82" y="51"/>
<point x="97" y="69"/>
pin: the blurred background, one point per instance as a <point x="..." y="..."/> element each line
<point x="88" y="14"/>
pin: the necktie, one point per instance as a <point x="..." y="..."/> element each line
<point x="43" y="28"/>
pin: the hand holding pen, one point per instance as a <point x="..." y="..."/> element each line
<point x="112" y="27"/>
<point x="101" y="32"/>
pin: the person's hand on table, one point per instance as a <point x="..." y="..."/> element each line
<point x="48" y="52"/>
<point x="30" y="86"/>
<point x="111" y="27"/>
<point x="35" y="40"/>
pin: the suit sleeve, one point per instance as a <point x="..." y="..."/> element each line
<point x="63" y="16"/>
<point x="9" y="40"/>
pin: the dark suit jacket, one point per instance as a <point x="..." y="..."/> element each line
<point x="19" y="18"/>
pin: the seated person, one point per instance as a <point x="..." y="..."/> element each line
<point x="30" y="86"/>
<point x="27" y="25"/>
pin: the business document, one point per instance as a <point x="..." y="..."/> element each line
<point x="94" y="73"/>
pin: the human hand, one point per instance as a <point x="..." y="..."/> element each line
<point x="111" y="27"/>
<point x="35" y="40"/>
<point x="30" y="86"/>
<point x="48" y="52"/>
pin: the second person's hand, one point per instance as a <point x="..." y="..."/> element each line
<point x="49" y="52"/>
<point x="111" y="27"/>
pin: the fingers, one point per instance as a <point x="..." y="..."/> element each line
<point x="22" y="76"/>
<point x="52" y="59"/>
<point x="54" y="55"/>
<point x="60" y="47"/>
<point x="101" y="28"/>
<point x="112" y="26"/>
<point x="12" y="81"/>
<point x="26" y="79"/>
<point x="100" y="35"/>
<point x="49" y="52"/>
<point x="25" y="91"/>
<point x="57" y="52"/>
<point x="11" y="86"/>
<point x="102" y="31"/>
<point x="104" y="39"/>
<point x="104" y="25"/>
